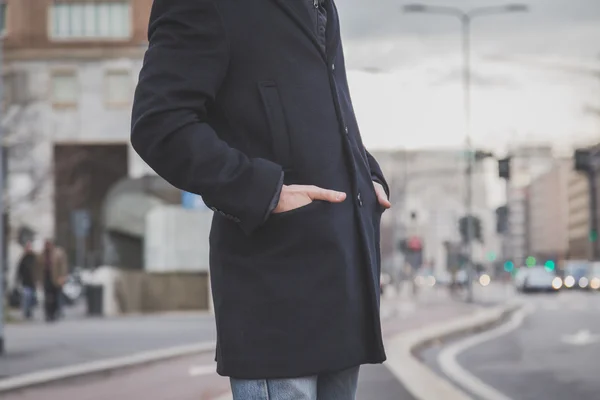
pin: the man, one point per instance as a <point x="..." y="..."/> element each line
<point x="53" y="270"/>
<point x="26" y="278"/>
<point x="246" y="103"/>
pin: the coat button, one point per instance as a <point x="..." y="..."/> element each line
<point x="333" y="67"/>
<point x="346" y="129"/>
<point x="360" y="203"/>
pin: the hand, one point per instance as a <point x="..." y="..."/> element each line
<point x="381" y="195"/>
<point x="296" y="196"/>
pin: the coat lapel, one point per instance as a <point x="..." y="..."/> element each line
<point x="297" y="11"/>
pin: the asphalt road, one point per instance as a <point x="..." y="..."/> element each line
<point x="552" y="355"/>
<point x="34" y="347"/>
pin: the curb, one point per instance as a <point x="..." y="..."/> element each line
<point x="420" y="380"/>
<point x="101" y="366"/>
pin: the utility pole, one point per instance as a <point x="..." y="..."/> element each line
<point x="2" y="258"/>
<point x="465" y="18"/>
<point x="466" y="42"/>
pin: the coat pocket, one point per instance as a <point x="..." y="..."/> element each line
<point x="277" y="122"/>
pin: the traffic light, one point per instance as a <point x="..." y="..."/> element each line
<point x="583" y="160"/>
<point x="463" y="227"/>
<point x="550" y="265"/>
<point x="502" y="220"/>
<point x="477" y="233"/>
<point x="412" y="248"/>
<point x="509" y="266"/>
<point x="504" y="168"/>
<point x="402" y="245"/>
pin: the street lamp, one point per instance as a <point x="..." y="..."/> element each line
<point x="465" y="18"/>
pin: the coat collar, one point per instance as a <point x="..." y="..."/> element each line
<point x="297" y="11"/>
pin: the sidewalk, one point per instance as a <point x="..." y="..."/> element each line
<point x="35" y="346"/>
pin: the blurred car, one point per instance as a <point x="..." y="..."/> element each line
<point x="537" y="279"/>
<point x="594" y="276"/>
<point x="575" y="275"/>
<point x="443" y="278"/>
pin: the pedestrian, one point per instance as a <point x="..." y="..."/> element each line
<point x="246" y="103"/>
<point x="53" y="267"/>
<point x="26" y="278"/>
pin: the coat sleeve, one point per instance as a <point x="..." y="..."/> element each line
<point x="183" y="69"/>
<point x="377" y="174"/>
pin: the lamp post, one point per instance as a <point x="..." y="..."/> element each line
<point x="466" y="17"/>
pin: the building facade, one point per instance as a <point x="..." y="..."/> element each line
<point x="70" y="68"/>
<point x="548" y="211"/>
<point x="527" y="163"/>
<point x="579" y="217"/>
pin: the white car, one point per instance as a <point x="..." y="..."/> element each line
<point x="537" y="279"/>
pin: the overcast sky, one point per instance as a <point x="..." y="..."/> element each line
<point x="533" y="73"/>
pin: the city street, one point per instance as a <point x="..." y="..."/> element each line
<point x="194" y="377"/>
<point x="552" y="353"/>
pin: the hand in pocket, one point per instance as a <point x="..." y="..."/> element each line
<point x="296" y="196"/>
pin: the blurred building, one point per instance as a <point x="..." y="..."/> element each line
<point x="527" y="163"/>
<point x="578" y="216"/>
<point x="548" y="213"/>
<point x="70" y="70"/>
<point x="430" y="185"/>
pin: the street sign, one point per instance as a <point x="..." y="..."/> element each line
<point x="80" y="222"/>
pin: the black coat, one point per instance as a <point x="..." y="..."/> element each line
<point x="231" y="94"/>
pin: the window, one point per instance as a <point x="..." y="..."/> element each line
<point x="118" y="89"/>
<point x="65" y="90"/>
<point x="3" y="8"/>
<point x="106" y="19"/>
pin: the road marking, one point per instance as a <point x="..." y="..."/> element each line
<point x="199" y="370"/>
<point x="581" y="338"/>
<point x="451" y="367"/>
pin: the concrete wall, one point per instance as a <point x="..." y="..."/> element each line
<point x="142" y="292"/>
<point x="137" y="291"/>
<point x="176" y="239"/>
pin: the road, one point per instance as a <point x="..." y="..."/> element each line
<point x="187" y="378"/>
<point x="191" y="377"/>
<point x="552" y="354"/>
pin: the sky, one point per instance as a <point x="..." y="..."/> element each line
<point x="536" y="75"/>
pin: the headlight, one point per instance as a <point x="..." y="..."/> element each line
<point x="557" y="283"/>
<point x="595" y="284"/>
<point x="584" y="282"/>
<point x="569" y="281"/>
<point x="484" y="280"/>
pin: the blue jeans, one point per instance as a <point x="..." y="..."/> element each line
<point x="334" y="386"/>
<point x="27" y="301"/>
